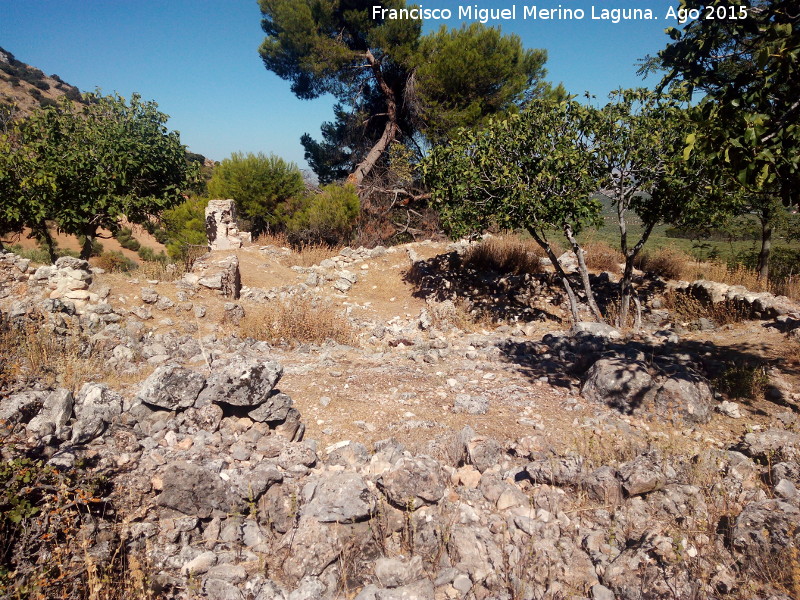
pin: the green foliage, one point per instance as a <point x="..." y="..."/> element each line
<point x="743" y="380"/>
<point x="530" y="171"/>
<point x="390" y="81"/>
<point x="184" y="227"/>
<point x="749" y="69"/>
<point x="85" y="167"/>
<point x="42" y="511"/>
<point x="40" y="254"/>
<point x="534" y="170"/>
<point x="638" y="141"/>
<point x="495" y="74"/>
<point x="258" y="183"/>
<point x="126" y="240"/>
<point x="147" y="254"/>
<point x="328" y="216"/>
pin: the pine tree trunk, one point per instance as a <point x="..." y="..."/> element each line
<point x="389" y="132"/>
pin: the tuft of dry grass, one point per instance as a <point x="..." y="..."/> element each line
<point x="668" y="263"/>
<point x="602" y="257"/>
<point x="504" y="254"/>
<point x="162" y="271"/>
<point x="689" y="308"/>
<point x="459" y="314"/>
<point x="305" y="255"/>
<point x="297" y="320"/>
<point x="736" y="275"/>
<point x="66" y="360"/>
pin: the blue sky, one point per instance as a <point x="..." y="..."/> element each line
<point x="199" y="59"/>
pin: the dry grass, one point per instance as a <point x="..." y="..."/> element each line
<point x="668" y="263"/>
<point x="305" y="255"/>
<point x="738" y="275"/>
<point x="689" y="308"/>
<point x="162" y="271"/>
<point x="505" y="254"/>
<point x="459" y="314"/>
<point x="297" y="320"/>
<point x="602" y="257"/>
<point x="64" y="360"/>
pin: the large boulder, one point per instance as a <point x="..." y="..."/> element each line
<point x="685" y="395"/>
<point x="95" y="407"/>
<point x="622" y="384"/>
<point x="194" y="490"/>
<point x="241" y="382"/>
<point x="766" y="528"/>
<point x="773" y="445"/>
<point x="55" y="414"/>
<point x="172" y="387"/>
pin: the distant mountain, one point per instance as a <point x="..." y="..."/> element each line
<point x="27" y="87"/>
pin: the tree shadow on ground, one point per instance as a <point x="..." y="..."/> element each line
<point x="498" y="296"/>
<point x="564" y="360"/>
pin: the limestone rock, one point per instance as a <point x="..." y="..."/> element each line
<point x="338" y="498"/>
<point x="172" y="387"/>
<point x="95" y="407"/>
<point x="241" y="382"/>
<point x="414" y="482"/>
<point x="194" y="490"/>
<point x="623" y="384"/>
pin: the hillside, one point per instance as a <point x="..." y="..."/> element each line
<point x="27" y="87"/>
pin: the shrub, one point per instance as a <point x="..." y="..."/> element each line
<point x="327" y="217"/>
<point x="126" y="240"/>
<point x="115" y="261"/>
<point x="44" y="512"/>
<point x="743" y="380"/>
<point x="504" y="254"/>
<point x="296" y="321"/>
<point x="258" y="183"/>
<point x="185" y="227"/>
<point x="149" y="255"/>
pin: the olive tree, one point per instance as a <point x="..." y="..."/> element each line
<point x="534" y="170"/>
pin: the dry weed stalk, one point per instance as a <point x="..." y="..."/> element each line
<point x="689" y="308"/>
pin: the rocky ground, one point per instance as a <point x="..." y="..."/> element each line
<point x="464" y="441"/>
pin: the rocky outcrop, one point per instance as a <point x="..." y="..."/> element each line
<point x="755" y="305"/>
